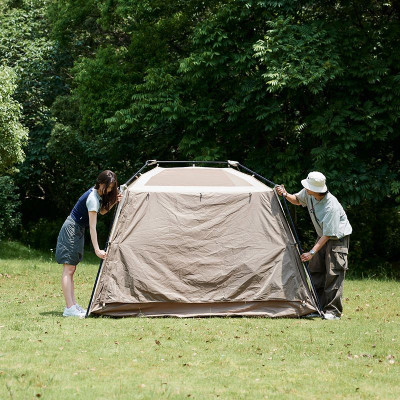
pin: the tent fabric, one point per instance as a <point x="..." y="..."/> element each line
<point x="197" y="179"/>
<point x="200" y="176"/>
<point x="175" y="251"/>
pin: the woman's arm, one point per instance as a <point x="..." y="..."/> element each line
<point x="103" y="211"/>
<point x="93" y="234"/>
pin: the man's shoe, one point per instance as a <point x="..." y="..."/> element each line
<point x="73" y="311"/>
<point x="80" y="308"/>
<point x="312" y="315"/>
<point x="330" y="316"/>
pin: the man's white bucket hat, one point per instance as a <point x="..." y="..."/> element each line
<point x="316" y="182"/>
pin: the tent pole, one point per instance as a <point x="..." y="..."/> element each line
<point x="152" y="162"/>
<point x="314" y="292"/>
<point x="148" y="162"/>
<point x="301" y="252"/>
<point x="101" y="264"/>
<point x="108" y="237"/>
<point x="192" y="162"/>
<point x="257" y="175"/>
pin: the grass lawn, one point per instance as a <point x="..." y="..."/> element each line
<point x="44" y="355"/>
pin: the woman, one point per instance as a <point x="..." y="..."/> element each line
<point x="69" y="252"/>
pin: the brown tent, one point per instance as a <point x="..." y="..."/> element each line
<point x="201" y="241"/>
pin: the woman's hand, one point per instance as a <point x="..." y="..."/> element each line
<point x="101" y="254"/>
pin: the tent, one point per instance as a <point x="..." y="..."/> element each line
<point x="201" y="241"/>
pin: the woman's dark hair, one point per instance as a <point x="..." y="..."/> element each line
<point x="108" y="178"/>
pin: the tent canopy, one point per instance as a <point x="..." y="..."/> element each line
<point x="199" y="241"/>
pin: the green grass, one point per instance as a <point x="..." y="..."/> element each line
<point x="45" y="355"/>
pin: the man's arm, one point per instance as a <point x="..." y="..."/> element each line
<point x="291" y="198"/>
<point x="318" y="246"/>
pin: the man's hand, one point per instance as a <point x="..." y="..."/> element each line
<point x="306" y="257"/>
<point x="291" y="198"/>
<point x="119" y="197"/>
<point x="101" y="254"/>
<point x="280" y="189"/>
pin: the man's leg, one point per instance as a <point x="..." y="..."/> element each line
<point x="336" y="267"/>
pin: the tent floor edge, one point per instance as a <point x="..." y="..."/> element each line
<point x="270" y="309"/>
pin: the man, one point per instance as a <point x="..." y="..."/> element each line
<point x="328" y="257"/>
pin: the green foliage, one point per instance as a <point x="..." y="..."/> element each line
<point x="37" y="63"/>
<point x="42" y="234"/>
<point x="285" y="87"/>
<point x="346" y="101"/>
<point x="299" y="55"/>
<point x="12" y="133"/>
<point x="9" y="216"/>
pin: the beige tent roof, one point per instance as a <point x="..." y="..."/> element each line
<point x="201" y="241"/>
<point x="195" y="179"/>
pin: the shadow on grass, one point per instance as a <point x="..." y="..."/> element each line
<point x="51" y="314"/>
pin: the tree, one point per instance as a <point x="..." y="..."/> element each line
<point x="285" y="87"/>
<point x="36" y="61"/>
<point x="13" y="134"/>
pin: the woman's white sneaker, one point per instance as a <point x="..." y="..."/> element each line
<point x="80" y="308"/>
<point x="73" y="311"/>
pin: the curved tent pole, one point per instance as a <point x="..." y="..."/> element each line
<point x="301" y="252"/>
<point x="257" y="175"/>
<point x="190" y="162"/>
<point x="194" y="163"/>
<point x="296" y="237"/>
<point x="101" y="264"/>
<point x="157" y="162"/>
<point x="148" y="162"/>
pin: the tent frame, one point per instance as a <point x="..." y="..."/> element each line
<point x="229" y="164"/>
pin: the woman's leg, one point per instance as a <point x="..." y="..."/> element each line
<point x="73" y="289"/>
<point x="67" y="284"/>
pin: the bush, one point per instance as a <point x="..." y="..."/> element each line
<point x="10" y="218"/>
<point x="43" y="233"/>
